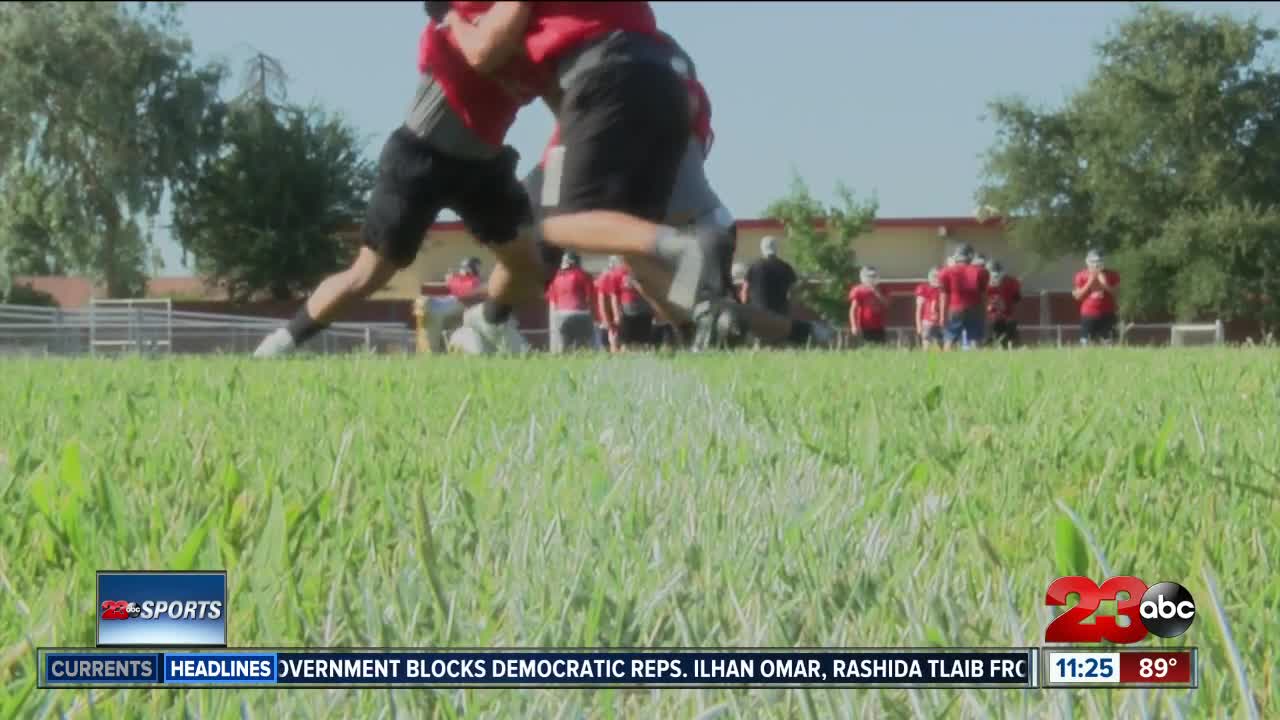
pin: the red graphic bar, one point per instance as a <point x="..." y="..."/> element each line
<point x="1156" y="667"/>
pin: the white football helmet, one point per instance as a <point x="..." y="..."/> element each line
<point x="1093" y="260"/>
<point x="869" y="276"/>
<point x="933" y="277"/>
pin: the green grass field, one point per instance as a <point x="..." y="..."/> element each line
<point x="857" y="499"/>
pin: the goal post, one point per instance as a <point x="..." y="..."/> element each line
<point x="1176" y="334"/>
<point x="1193" y="334"/>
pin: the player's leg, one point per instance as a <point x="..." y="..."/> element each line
<point x="1087" y="329"/>
<point x="953" y="332"/>
<point x="693" y="197"/>
<point x="975" y="326"/>
<point x="624" y="128"/>
<point x="495" y="209"/>
<point x="401" y="208"/>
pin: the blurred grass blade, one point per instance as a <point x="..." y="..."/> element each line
<point x="1229" y="641"/>
<point x="1068" y="548"/>
<point x="186" y="557"/>
<point x="1082" y="531"/>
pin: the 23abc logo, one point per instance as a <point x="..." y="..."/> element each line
<point x="1165" y="609"/>
<point x="120" y="610"/>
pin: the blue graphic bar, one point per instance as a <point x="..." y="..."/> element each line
<point x="580" y="668"/>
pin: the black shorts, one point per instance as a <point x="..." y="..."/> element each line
<point x="624" y="128"/>
<point x="636" y="330"/>
<point x="1004" y="332"/>
<point x="875" y="337"/>
<point x="416" y="181"/>
<point x="1098" y="327"/>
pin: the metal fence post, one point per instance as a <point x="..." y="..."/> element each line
<point x="368" y="338"/>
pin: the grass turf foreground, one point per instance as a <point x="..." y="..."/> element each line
<point x="858" y="499"/>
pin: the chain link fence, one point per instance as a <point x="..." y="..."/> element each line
<point x="144" y="327"/>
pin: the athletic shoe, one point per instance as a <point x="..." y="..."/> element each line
<point x="489" y="335"/>
<point x="504" y="338"/>
<point x="695" y="260"/>
<point x="276" y="344"/>
<point x="466" y="341"/>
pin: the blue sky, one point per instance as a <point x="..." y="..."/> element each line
<point x="888" y="97"/>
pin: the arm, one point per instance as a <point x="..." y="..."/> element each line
<point x="742" y="292"/>
<point x="853" y="318"/>
<point x="1080" y="292"/>
<point x="1103" y="285"/>
<point x="942" y="306"/>
<point x="919" y="315"/>
<point x="494" y="38"/>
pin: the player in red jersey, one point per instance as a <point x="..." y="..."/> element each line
<point x="1002" y="299"/>
<point x="962" y="300"/>
<point x="623" y="113"/>
<point x="466" y="288"/>
<point x="867" y="308"/>
<point x="608" y="323"/>
<point x="448" y="153"/>
<point x="606" y="299"/>
<point x="928" y="322"/>
<point x="633" y="310"/>
<point x="1095" y="290"/>
<point x="569" y="302"/>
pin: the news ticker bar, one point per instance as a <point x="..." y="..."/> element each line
<point x="1012" y="668"/>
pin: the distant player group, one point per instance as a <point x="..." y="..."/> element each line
<point x="969" y="303"/>
<point x="621" y="176"/>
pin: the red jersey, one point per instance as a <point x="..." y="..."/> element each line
<point x="929" y="311"/>
<point x="483" y="105"/>
<point x="871" y="309"/>
<point x="571" y="290"/>
<point x="624" y="287"/>
<point x="520" y="79"/>
<point x="1003" y="298"/>
<point x="1097" y="303"/>
<point x="965" y="286"/>
<point x="558" y="27"/>
<point x="461" y="285"/>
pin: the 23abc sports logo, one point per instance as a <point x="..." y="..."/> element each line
<point x="1165" y="609"/>
<point x="157" y="610"/>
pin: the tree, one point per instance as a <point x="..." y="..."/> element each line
<point x="820" y="238"/>
<point x="264" y="214"/>
<point x="101" y="111"/>
<point x="1169" y="157"/>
